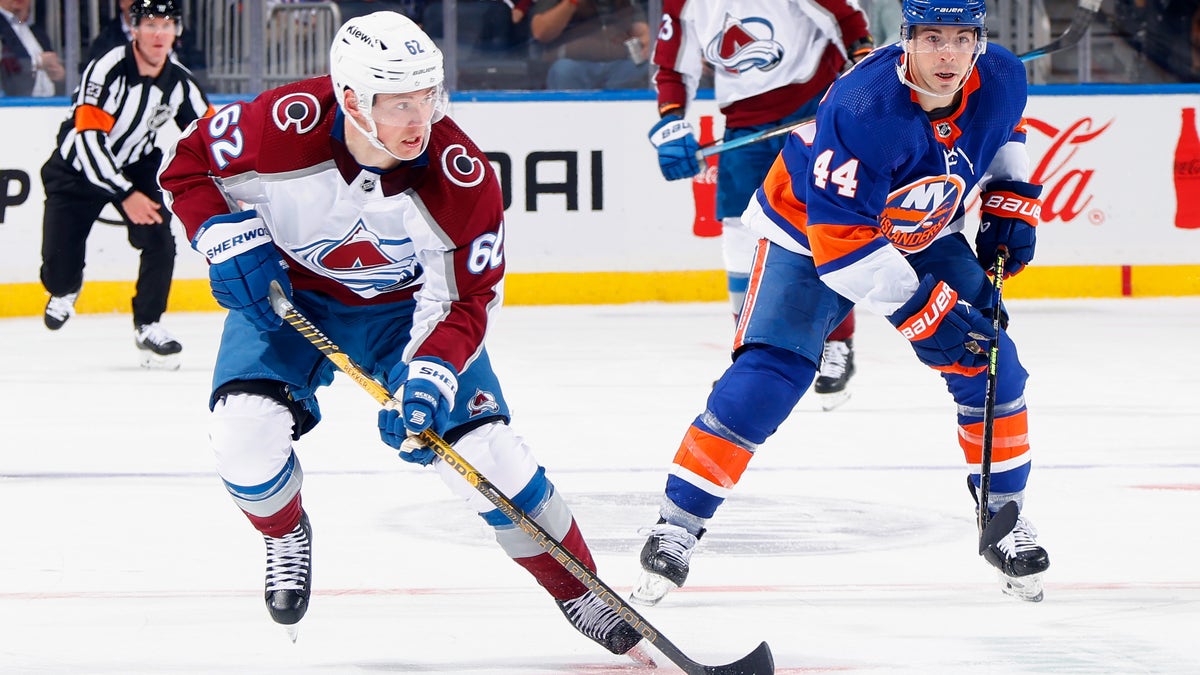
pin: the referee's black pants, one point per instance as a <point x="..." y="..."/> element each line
<point x="72" y="206"/>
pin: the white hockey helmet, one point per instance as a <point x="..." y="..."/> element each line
<point x="384" y="53"/>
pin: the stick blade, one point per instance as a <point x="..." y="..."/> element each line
<point x="757" y="662"/>
<point x="279" y="301"/>
<point x="998" y="526"/>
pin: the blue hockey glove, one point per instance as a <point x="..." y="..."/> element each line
<point x="425" y="389"/>
<point x="243" y="261"/>
<point x="947" y="334"/>
<point x="1008" y="218"/>
<point x="677" y="148"/>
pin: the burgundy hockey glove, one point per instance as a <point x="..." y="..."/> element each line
<point x="1008" y="218"/>
<point x="945" y="332"/>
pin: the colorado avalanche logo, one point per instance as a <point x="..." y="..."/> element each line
<point x="917" y="212"/>
<point x="483" y="402"/>
<point x="745" y="44"/>
<point x="300" y="110"/>
<point x="365" y="263"/>
<point x="461" y="168"/>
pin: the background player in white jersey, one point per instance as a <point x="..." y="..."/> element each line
<point x="107" y="154"/>
<point x="865" y="205"/>
<point x="385" y="224"/>
<point x="771" y="60"/>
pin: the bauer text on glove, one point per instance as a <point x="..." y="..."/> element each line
<point x="947" y="334"/>
<point x="677" y="148"/>
<point x="1008" y="218"/>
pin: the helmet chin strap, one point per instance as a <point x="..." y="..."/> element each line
<point x="902" y="73"/>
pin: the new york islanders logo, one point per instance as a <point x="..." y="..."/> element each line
<point x="364" y="262"/>
<point x="744" y="44"/>
<point x="917" y="212"/>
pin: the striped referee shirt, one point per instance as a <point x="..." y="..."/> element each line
<point x="118" y="113"/>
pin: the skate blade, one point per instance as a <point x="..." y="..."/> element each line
<point x="293" y="631"/>
<point x="152" y="361"/>
<point x="1027" y="588"/>
<point x="641" y="656"/>
<point x="833" y="400"/>
<point x="650" y="589"/>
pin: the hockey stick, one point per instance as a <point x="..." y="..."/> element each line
<point x="1069" y="38"/>
<point x="757" y="662"/>
<point x="993" y="529"/>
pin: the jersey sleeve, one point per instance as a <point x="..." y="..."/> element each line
<point x="678" y="58"/>
<point x="463" y="262"/>
<point x="847" y="187"/>
<point x="211" y="148"/>
<point x="97" y="102"/>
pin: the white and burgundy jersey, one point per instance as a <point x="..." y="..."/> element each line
<point x="432" y="228"/>
<point x="768" y="56"/>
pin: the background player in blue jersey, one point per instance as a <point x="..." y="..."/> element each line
<point x="865" y="206"/>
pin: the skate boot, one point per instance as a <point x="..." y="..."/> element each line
<point x="664" y="562"/>
<point x="59" y="308"/>
<point x="596" y="620"/>
<point x="1020" y="562"/>
<point x="837" y="365"/>
<point x="289" y="575"/>
<point x="157" y="349"/>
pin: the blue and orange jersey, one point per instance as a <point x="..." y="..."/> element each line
<point x="874" y="177"/>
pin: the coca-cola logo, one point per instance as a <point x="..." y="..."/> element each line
<point x="1067" y="187"/>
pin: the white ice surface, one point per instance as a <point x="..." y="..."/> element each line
<point x="848" y="545"/>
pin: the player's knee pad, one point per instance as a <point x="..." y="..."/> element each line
<point x="757" y="393"/>
<point x="498" y="454"/>
<point x="251" y="436"/>
<point x="738" y="242"/>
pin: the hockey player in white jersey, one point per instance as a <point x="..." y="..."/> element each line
<point x="384" y="223"/>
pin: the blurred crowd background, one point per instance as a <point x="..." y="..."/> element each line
<point x="241" y="47"/>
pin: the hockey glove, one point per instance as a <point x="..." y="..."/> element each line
<point x="677" y="148"/>
<point x="1008" y="218"/>
<point x="425" y="389"/>
<point x="243" y="261"/>
<point x="946" y="333"/>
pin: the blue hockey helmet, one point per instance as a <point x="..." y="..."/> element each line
<point x="944" y="12"/>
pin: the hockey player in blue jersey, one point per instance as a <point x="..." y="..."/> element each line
<point x="866" y="206"/>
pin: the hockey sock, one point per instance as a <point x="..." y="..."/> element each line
<point x="844" y="330"/>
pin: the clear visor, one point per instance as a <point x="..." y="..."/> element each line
<point x="933" y="41"/>
<point x="414" y="108"/>
<point x="151" y="25"/>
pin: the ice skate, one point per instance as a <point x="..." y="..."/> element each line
<point x="289" y="575"/>
<point x="665" y="559"/>
<point x="837" y="366"/>
<point x="157" y="349"/>
<point x="596" y="620"/>
<point x="1020" y="562"/>
<point x="59" y="308"/>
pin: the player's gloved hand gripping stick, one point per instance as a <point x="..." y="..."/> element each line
<point x="757" y="662"/>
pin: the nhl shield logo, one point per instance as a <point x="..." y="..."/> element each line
<point x="944" y="130"/>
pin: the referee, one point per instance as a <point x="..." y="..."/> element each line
<point x="107" y="154"/>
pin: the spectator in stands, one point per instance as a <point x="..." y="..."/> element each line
<point x="116" y="33"/>
<point x="28" y="66"/>
<point x="595" y="44"/>
<point x="413" y="9"/>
